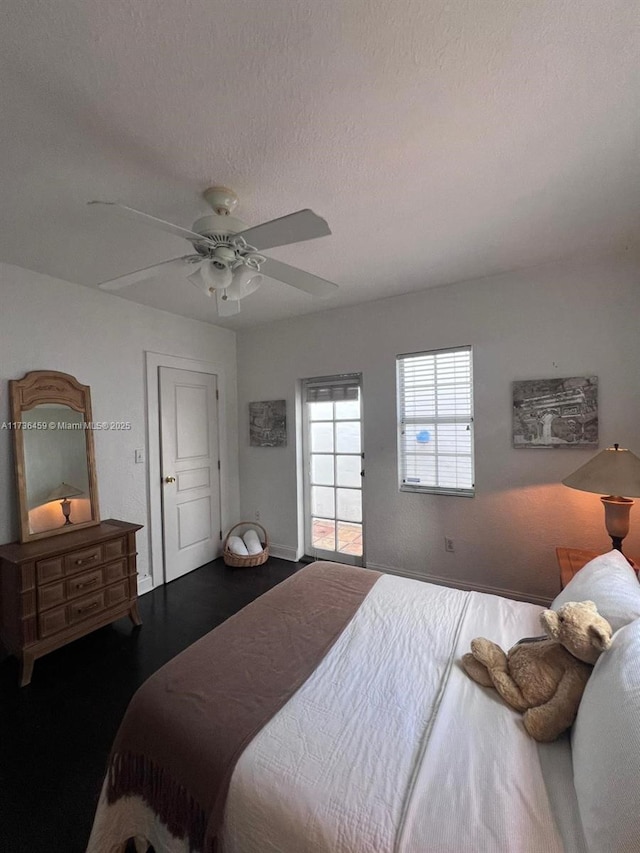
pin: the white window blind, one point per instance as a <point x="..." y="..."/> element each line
<point x="435" y="422"/>
<point x="332" y="388"/>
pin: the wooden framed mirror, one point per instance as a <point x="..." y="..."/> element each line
<point x="55" y="467"/>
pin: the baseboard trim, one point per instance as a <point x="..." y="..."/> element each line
<point x="464" y="585"/>
<point x="283" y="552"/>
<point x="145" y="584"/>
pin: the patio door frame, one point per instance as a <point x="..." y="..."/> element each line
<point x="309" y="549"/>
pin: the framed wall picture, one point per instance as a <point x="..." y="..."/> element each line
<point x="555" y="412"/>
<point x="268" y="423"/>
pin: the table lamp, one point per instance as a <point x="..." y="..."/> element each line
<point x="613" y="472"/>
<point x="64" y="491"/>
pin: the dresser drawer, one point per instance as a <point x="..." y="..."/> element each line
<point x="85" y="559"/>
<point x="83" y="583"/>
<point x="52" y="621"/>
<point x="51" y="595"/>
<point x="114" y="571"/>
<point x="49" y="570"/>
<point x="117" y="593"/>
<point x="85" y="607"/>
<point x="114" y="549"/>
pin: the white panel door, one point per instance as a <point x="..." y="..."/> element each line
<point x="190" y="472"/>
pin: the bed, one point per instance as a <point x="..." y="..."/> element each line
<point x="373" y="739"/>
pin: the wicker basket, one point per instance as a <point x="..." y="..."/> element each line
<point x="238" y="560"/>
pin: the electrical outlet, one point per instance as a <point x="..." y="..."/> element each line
<point x="448" y="544"/>
<point x="257" y="515"/>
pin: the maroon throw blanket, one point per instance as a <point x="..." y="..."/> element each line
<point x="186" y="727"/>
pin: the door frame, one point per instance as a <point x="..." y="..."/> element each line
<point x="154" y="360"/>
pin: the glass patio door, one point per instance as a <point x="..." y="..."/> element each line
<point x="334" y="469"/>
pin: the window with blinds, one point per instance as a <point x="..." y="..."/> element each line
<point x="435" y="422"/>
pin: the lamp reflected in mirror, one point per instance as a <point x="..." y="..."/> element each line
<point x="64" y="491"/>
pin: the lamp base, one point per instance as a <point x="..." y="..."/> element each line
<point x="66" y="511"/>
<point x="616" y="518"/>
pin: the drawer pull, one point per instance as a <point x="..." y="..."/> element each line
<point x="87" y="583"/>
<point x="90" y="607"/>
<point x="88" y="560"/>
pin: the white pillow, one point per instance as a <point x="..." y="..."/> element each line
<point x="237" y="546"/>
<point x="252" y="541"/>
<point x="606" y="748"/>
<point x="610" y="582"/>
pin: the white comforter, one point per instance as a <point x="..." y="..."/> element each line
<point x="390" y="748"/>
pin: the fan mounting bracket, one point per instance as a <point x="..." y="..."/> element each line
<point x="222" y="200"/>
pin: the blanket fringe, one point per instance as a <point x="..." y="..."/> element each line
<point x="135" y="775"/>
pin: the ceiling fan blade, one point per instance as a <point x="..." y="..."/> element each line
<point x="226" y="307"/>
<point x="312" y="284"/>
<point x="293" y="228"/>
<point x="168" y="227"/>
<point x="147" y="272"/>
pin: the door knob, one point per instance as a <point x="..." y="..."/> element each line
<point x="169" y="479"/>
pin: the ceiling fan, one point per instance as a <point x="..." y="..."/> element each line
<point x="226" y="260"/>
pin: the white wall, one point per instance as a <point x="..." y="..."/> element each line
<point x="101" y="339"/>
<point x="552" y="321"/>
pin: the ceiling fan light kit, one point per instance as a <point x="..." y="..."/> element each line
<point x="208" y="278"/>
<point x="226" y="261"/>
<point x="245" y="282"/>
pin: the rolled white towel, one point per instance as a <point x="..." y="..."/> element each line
<point x="237" y="546"/>
<point x="252" y="541"/>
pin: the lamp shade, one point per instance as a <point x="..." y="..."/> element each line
<point x="209" y="278"/>
<point x="64" y="491"/>
<point x="614" y="471"/>
<point x="245" y="281"/>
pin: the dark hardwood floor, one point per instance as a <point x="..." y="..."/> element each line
<point x="55" y="734"/>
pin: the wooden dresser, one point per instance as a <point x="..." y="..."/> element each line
<point x="571" y="560"/>
<point x="57" y="589"/>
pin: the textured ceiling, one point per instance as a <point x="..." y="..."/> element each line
<point x="442" y="139"/>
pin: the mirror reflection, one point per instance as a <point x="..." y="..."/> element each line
<point x="55" y="463"/>
<point x="56" y="471"/>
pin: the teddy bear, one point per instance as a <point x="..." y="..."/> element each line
<point x="544" y="677"/>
